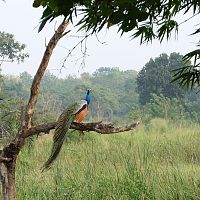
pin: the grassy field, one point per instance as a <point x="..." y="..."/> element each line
<point x="161" y="162"/>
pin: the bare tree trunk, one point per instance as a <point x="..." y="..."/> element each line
<point x="7" y="175"/>
<point x="7" y="171"/>
<point x="10" y="152"/>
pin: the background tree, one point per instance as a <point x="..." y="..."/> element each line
<point x="10" y="117"/>
<point x="156" y="76"/>
<point x="11" y="50"/>
<point x="165" y="107"/>
<point x="172" y="109"/>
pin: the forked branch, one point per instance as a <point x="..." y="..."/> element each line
<point x="35" y="88"/>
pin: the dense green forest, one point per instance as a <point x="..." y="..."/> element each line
<point x="117" y="96"/>
<point x="113" y="92"/>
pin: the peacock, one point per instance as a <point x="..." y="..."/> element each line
<point x="74" y="112"/>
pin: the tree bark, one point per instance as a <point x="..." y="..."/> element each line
<point x="7" y="177"/>
<point x="7" y="171"/>
<point x="10" y="152"/>
<point x="98" y="127"/>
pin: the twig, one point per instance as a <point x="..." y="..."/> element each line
<point x="188" y="19"/>
<point x="2" y="159"/>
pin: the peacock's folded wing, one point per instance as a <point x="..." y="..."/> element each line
<point x="63" y="125"/>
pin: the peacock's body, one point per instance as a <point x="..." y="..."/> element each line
<point x="74" y="112"/>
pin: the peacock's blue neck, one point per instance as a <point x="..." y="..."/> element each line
<point x="88" y="97"/>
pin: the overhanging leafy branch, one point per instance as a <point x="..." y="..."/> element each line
<point x="189" y="75"/>
<point x="146" y="20"/>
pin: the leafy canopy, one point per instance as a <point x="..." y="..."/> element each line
<point x="149" y="19"/>
<point x="11" y="50"/>
<point x="146" y="19"/>
<point x="156" y="76"/>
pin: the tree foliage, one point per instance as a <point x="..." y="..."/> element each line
<point x="145" y="19"/>
<point x="11" y="105"/>
<point x="156" y="76"/>
<point x="149" y="19"/>
<point x="113" y="93"/>
<point x="10" y="116"/>
<point x="11" y="50"/>
<point x="165" y="107"/>
<point x="189" y="75"/>
<point x="173" y="109"/>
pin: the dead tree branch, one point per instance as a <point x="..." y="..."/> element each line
<point x="98" y="127"/>
<point x="2" y="159"/>
<point x="35" y="89"/>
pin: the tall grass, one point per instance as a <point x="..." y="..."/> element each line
<point x="158" y="162"/>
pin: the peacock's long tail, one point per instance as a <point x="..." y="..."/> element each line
<point x="63" y="125"/>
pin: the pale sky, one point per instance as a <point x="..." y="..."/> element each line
<point x="21" y="19"/>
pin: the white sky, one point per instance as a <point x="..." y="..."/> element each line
<point x="21" y="19"/>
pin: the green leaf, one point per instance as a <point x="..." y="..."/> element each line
<point x="38" y="3"/>
<point x="44" y="21"/>
<point x="197" y="31"/>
